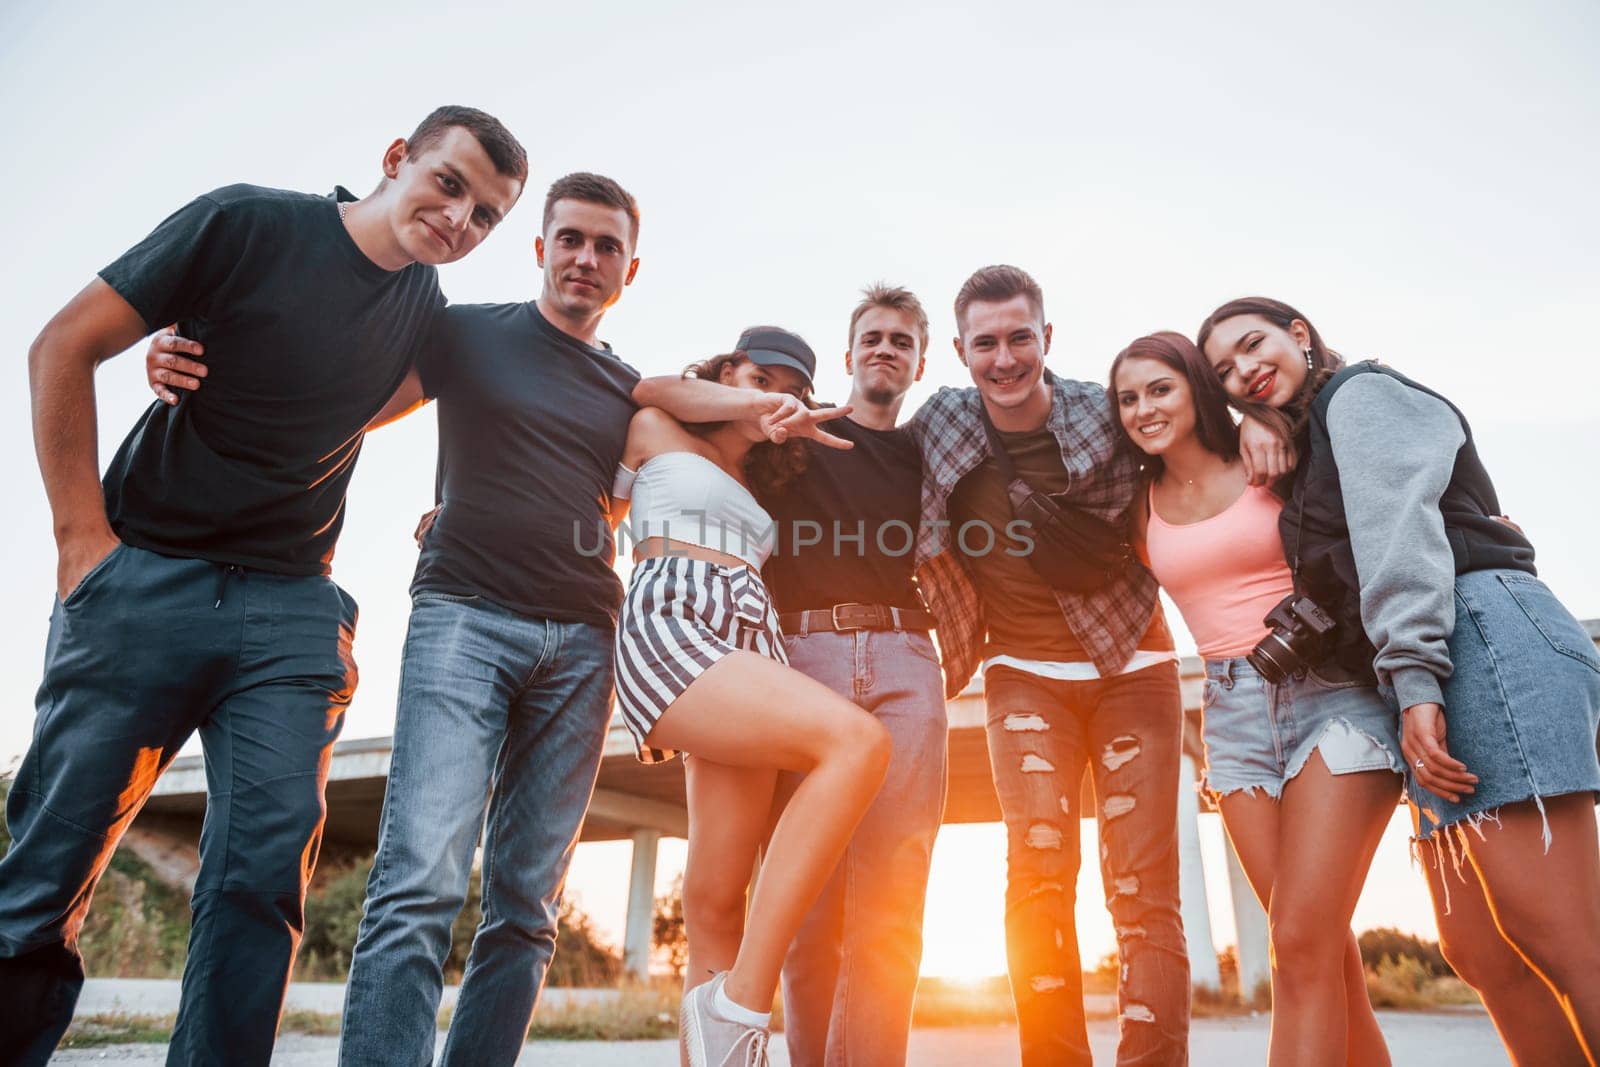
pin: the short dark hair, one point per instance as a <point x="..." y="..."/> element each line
<point x="504" y="150"/>
<point x="895" y="298"/>
<point x="994" y="285"/>
<point x="1214" y="428"/>
<point x="592" y="189"/>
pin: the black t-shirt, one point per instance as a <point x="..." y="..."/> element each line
<point x="862" y="507"/>
<point x="306" y="339"/>
<point x="1023" y="616"/>
<point x="1022" y="613"/>
<point x="531" y="428"/>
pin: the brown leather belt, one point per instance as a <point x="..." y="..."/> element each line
<point x="844" y="618"/>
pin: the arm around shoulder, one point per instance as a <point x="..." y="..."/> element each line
<point x="406" y="399"/>
<point x="693" y="400"/>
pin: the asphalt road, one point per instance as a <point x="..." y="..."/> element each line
<point x="1463" y="1039"/>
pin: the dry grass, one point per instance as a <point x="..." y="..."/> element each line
<point x="1405" y="983"/>
<point x="121" y="1028"/>
<point x="116" y="1028"/>
<point x="637" y="1015"/>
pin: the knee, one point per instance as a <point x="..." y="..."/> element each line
<point x="714" y="906"/>
<point x="1554" y="935"/>
<point x="871" y="739"/>
<point x="1482" y="958"/>
<point x="1488" y="959"/>
<point x="273" y="836"/>
<point x="1040" y="854"/>
<point x="859" y="741"/>
<point x="297" y="813"/>
<point x="1305" y="945"/>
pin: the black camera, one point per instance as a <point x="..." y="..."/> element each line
<point x="1298" y="638"/>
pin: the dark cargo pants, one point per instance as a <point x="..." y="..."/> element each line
<point x="144" y="652"/>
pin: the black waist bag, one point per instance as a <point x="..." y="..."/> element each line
<point x="1073" y="551"/>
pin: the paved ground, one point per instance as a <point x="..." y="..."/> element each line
<point x="1460" y="1040"/>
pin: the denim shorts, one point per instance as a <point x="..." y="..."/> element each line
<point x="1259" y="735"/>
<point x="1522" y="706"/>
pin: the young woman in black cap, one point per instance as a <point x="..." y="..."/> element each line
<point x="701" y="670"/>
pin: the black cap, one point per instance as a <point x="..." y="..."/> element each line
<point x="772" y="347"/>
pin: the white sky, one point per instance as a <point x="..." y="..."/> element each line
<point x="1417" y="178"/>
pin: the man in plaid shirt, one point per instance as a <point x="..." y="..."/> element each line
<point x="1071" y="680"/>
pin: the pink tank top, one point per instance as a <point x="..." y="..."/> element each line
<point x="1224" y="573"/>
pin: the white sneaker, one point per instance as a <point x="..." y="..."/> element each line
<point x="713" y="1041"/>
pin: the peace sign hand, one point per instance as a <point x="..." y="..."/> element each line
<point x="785" y="416"/>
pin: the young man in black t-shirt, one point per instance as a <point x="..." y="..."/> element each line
<point x="193" y="584"/>
<point x="852" y="618"/>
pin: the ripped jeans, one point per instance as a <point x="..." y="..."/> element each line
<point x="1127" y="730"/>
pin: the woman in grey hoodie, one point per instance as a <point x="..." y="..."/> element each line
<point x="1393" y="527"/>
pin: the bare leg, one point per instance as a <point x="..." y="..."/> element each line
<point x="750" y="711"/>
<point x="1526" y="1014"/>
<point x="728" y="821"/>
<point x="1547" y="903"/>
<point x="1253" y="826"/>
<point x="1329" y="829"/>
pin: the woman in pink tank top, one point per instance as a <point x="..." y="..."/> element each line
<point x="1305" y="773"/>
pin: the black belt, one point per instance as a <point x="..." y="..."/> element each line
<point x="843" y="618"/>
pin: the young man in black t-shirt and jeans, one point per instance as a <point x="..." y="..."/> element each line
<point x="852" y="618"/>
<point x="193" y="584"/>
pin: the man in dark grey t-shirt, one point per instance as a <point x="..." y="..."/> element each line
<point x="506" y="681"/>
<point x="193" y="587"/>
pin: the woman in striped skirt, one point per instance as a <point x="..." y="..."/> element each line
<point x="701" y="671"/>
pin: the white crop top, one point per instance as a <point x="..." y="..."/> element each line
<point x="683" y="496"/>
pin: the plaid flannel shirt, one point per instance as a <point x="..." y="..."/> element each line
<point x="1102" y="479"/>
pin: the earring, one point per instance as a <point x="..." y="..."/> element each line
<point x="1310" y="366"/>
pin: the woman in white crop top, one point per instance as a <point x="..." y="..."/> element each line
<point x="700" y="669"/>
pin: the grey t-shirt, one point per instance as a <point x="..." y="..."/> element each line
<point x="531" y="428"/>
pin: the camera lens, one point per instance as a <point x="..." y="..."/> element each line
<point x="1274" y="660"/>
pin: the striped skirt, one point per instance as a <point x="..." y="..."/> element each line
<point x="680" y="616"/>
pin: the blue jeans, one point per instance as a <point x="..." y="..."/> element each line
<point x="851" y="975"/>
<point x="500" y="710"/>
<point x="1128" y="730"/>
<point x="145" y="652"/>
<point x="1523" y="702"/>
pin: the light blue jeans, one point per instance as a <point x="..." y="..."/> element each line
<point x="497" y="710"/>
<point x="851" y="975"/>
<point x="1523" y="702"/>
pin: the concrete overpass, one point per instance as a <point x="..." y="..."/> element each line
<point x="631" y="801"/>
<point x="644" y="804"/>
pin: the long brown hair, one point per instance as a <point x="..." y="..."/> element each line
<point x="1214" y="427"/>
<point x="1288" y="421"/>
<point x="769" y="467"/>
